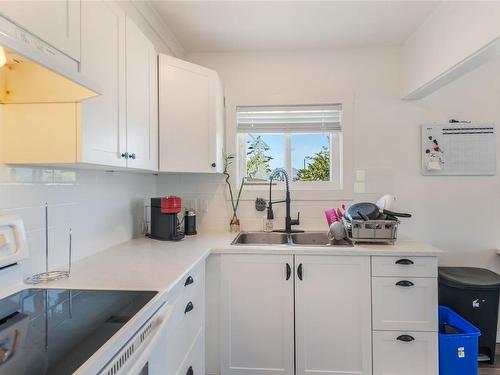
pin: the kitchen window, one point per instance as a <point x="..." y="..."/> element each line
<point x="304" y="140"/>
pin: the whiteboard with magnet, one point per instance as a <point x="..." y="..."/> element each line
<point x="459" y="149"/>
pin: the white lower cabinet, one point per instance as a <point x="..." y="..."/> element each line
<point x="182" y="347"/>
<point x="256" y="315"/>
<point x="332" y="315"/>
<point x="405" y="316"/>
<point x="405" y="353"/>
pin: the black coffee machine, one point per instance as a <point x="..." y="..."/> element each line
<point x="165" y="224"/>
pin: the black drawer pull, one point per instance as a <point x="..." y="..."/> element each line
<point x="288" y="271"/>
<point x="189" y="307"/>
<point x="190" y="371"/>
<point x="189" y="281"/>
<point x="405" y="338"/>
<point x="404" y="283"/>
<point x="405" y="262"/>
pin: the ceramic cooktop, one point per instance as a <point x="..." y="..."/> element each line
<point x="54" y="331"/>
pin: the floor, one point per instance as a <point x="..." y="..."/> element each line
<point x="489" y="369"/>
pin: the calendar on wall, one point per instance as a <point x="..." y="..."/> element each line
<point x="459" y="149"/>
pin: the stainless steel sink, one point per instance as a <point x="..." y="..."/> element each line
<point x="311" y="238"/>
<point x="260" y="238"/>
<point x="316" y="239"/>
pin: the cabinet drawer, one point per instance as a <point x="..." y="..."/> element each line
<point x="405" y="353"/>
<point x="404" y="303"/>
<point x="194" y="362"/>
<point x="187" y="319"/>
<point x="404" y="266"/>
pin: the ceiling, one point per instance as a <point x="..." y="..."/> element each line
<point x="227" y="26"/>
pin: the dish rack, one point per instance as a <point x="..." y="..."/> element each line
<point x="384" y="231"/>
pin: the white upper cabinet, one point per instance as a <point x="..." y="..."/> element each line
<point x="332" y="315"/>
<point x="104" y="133"/>
<point x="141" y="97"/>
<point x="55" y="22"/>
<point x="191" y="112"/>
<point x="256" y="315"/>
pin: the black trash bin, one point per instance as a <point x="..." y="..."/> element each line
<point x="473" y="294"/>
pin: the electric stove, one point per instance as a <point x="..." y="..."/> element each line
<point x="54" y="331"/>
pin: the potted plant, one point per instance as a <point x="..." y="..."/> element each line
<point x="234" y="223"/>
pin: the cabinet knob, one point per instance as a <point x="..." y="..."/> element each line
<point x="189" y="307"/>
<point x="189" y="281"/>
<point x="299" y="271"/>
<point x="132" y="156"/>
<point x="190" y="371"/>
<point x="213" y="165"/>
<point x="125" y="155"/>
<point x="405" y="338"/>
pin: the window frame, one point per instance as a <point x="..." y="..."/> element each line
<point x="335" y="161"/>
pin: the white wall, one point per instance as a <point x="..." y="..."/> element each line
<point x="458" y="214"/>
<point x="102" y="208"/>
<point x="453" y="32"/>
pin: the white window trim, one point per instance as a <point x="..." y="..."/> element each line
<point x="335" y="156"/>
<point x="348" y="103"/>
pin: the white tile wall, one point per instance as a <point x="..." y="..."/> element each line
<point x="102" y="208"/>
<point x="207" y="194"/>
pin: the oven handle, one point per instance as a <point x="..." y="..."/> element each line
<point x="161" y="320"/>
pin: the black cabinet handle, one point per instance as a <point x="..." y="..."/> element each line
<point x="405" y="262"/>
<point x="125" y="155"/>
<point x="190" y="371"/>
<point x="189" y="281"/>
<point x="404" y="283"/>
<point x="189" y="307"/>
<point x="299" y="271"/>
<point x="132" y="156"/>
<point x="288" y="271"/>
<point x="213" y="165"/>
<point x="405" y="338"/>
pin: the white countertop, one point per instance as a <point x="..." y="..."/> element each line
<point x="145" y="264"/>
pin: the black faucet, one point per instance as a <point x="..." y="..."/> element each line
<point x="270" y="214"/>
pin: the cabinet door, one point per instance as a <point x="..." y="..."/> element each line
<point x="409" y="303"/>
<point x="405" y="353"/>
<point x="55" y="22"/>
<point x="190" y="102"/>
<point x="142" y="119"/>
<point x="103" y="60"/>
<point x="256" y="315"/>
<point x="332" y="315"/>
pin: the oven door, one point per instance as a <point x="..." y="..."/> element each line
<point x="134" y="357"/>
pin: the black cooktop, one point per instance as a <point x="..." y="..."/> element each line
<point x="54" y="331"/>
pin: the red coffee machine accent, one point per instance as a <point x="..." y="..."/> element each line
<point x="171" y="205"/>
<point x="164" y="221"/>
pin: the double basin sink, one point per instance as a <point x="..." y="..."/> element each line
<point x="319" y="239"/>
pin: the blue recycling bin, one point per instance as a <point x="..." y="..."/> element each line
<point x="458" y="344"/>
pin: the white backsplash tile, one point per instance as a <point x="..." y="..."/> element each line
<point x="102" y="208"/>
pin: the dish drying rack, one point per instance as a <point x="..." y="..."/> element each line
<point x="56" y="274"/>
<point x="374" y="231"/>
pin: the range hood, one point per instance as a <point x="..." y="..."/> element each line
<point x="41" y="92"/>
<point x="32" y="71"/>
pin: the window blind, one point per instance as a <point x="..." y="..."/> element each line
<point x="283" y="119"/>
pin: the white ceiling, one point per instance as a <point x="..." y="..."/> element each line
<point x="216" y="26"/>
